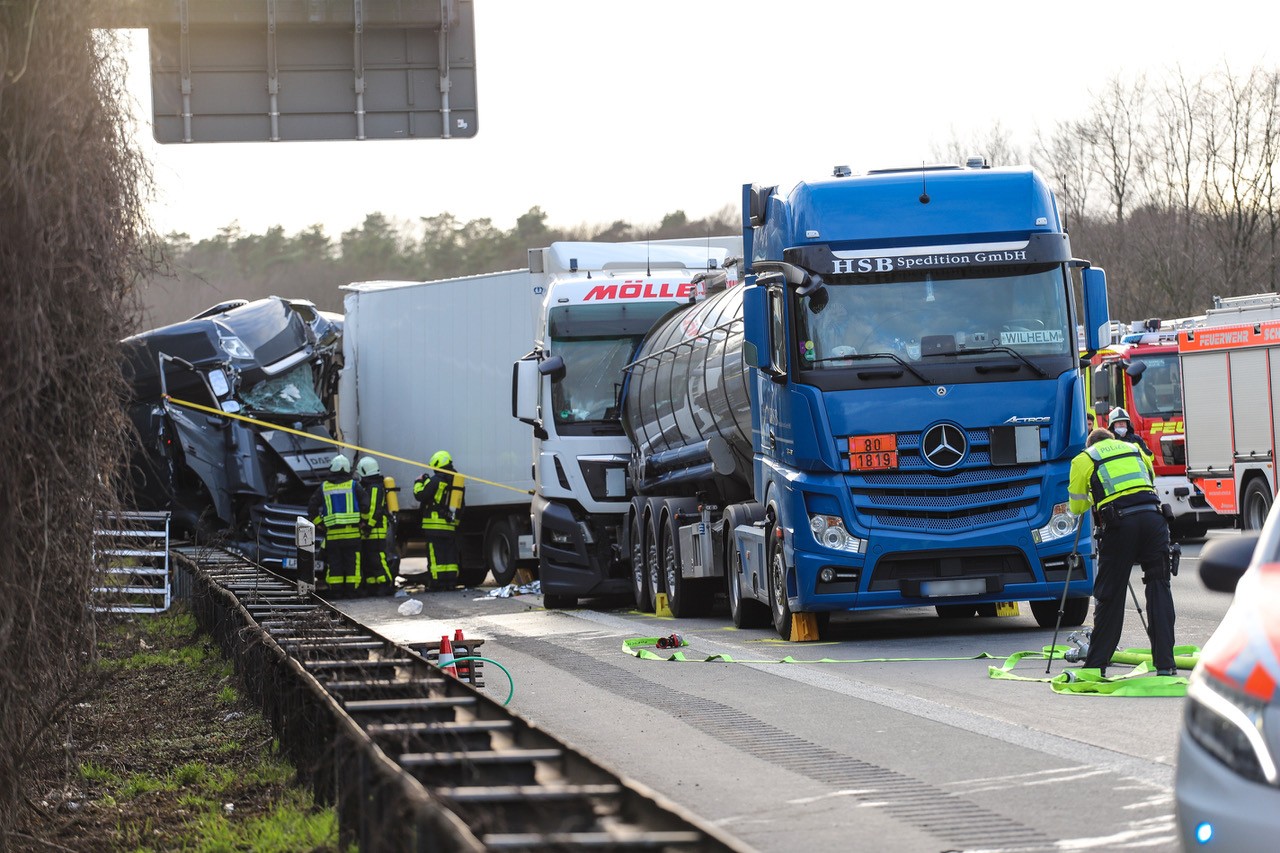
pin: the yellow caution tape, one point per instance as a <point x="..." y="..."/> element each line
<point x="210" y="410"/>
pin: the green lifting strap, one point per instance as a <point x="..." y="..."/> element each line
<point x="1077" y="680"/>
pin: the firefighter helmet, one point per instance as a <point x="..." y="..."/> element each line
<point x="367" y="467"/>
<point x="440" y="459"/>
<point x="1118" y="414"/>
<point x="340" y="464"/>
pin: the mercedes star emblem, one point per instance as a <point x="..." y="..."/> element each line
<point x="944" y="445"/>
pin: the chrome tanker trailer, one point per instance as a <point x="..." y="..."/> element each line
<point x="687" y="412"/>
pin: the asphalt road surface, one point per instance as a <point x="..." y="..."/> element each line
<point x="883" y="754"/>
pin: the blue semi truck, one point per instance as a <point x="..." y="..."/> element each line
<point x="882" y="416"/>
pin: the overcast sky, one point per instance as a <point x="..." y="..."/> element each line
<point x="599" y="110"/>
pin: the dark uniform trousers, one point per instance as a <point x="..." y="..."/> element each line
<point x="1138" y="537"/>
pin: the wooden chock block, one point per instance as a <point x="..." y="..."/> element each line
<point x="804" y="627"/>
<point x="523" y="576"/>
<point x="660" y="605"/>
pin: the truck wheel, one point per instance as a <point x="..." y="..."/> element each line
<point x="778" y="605"/>
<point x="500" y="550"/>
<point x="686" y="597"/>
<point x="1255" y="505"/>
<point x="1073" y="612"/>
<point x="639" y="578"/>
<point x="652" y="574"/>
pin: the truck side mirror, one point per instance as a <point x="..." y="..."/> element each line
<point x="757" y="348"/>
<point x="1097" y="316"/>
<point x="525" y="379"/>
<point x="553" y="367"/>
<point x="1135" y="369"/>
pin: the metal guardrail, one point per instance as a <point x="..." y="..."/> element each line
<point x="414" y="759"/>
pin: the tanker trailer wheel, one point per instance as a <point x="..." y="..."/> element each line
<point x="639" y="578"/>
<point x="500" y="551"/>
<point x="1255" y="504"/>
<point x="685" y="596"/>
<point x="652" y="573"/>
<point x="745" y="612"/>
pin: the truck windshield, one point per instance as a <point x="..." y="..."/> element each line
<point x="596" y="342"/>
<point x="968" y="316"/>
<point x="291" y="393"/>
<point x="1158" y="394"/>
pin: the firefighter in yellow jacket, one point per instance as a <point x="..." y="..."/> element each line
<point x="440" y="493"/>
<point x="338" y="509"/>
<point x="1118" y="479"/>
<point x="375" y="571"/>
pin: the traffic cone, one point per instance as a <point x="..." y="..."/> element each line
<point x="460" y="650"/>
<point x="445" y="659"/>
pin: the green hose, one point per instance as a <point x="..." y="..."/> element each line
<point x="510" y="681"/>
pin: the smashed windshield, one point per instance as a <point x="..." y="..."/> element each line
<point x="596" y="342"/>
<point x="291" y="393"/>
<point x="1012" y="312"/>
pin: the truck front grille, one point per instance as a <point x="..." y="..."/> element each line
<point x="918" y="498"/>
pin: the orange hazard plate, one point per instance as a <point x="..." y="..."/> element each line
<point x="873" y="452"/>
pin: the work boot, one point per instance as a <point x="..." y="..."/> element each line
<point x="1166" y="672"/>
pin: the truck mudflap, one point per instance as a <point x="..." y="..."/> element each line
<point x="577" y="557"/>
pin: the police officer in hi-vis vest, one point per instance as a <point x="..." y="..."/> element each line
<point x="1117" y="478"/>
<point x="338" y="509"/>
<point x="441" y="495"/>
<point x="375" y="572"/>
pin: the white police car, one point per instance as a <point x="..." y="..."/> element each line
<point x="1227" y="786"/>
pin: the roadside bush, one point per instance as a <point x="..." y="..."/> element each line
<point x="73" y="243"/>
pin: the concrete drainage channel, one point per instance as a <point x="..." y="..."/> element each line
<point x="413" y="759"/>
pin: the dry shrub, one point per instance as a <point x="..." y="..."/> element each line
<point x="73" y="240"/>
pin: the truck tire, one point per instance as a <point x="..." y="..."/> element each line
<point x="501" y="550"/>
<point x="685" y="596"/>
<point x="639" y="577"/>
<point x="745" y="612"/>
<point x="779" y="608"/>
<point x="1073" y="612"/>
<point x="652" y="574"/>
<point x="1255" y="504"/>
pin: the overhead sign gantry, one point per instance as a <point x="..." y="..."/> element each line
<point x="277" y="70"/>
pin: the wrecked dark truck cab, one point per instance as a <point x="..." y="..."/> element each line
<point x="224" y="479"/>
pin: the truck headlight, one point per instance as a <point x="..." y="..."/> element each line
<point x="829" y="531"/>
<point x="1228" y="724"/>
<point x="234" y="347"/>
<point x="1061" y="523"/>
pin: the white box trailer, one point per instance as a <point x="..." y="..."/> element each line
<point x="427" y="367"/>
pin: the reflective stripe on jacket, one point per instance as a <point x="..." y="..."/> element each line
<point x="376" y="517"/>
<point x="341" y="511"/>
<point x="1107" y="470"/>
<point x="433" y="494"/>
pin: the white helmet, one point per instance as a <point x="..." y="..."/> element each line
<point x="340" y="464"/>
<point x="1118" y="414"/>
<point x="367" y="467"/>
